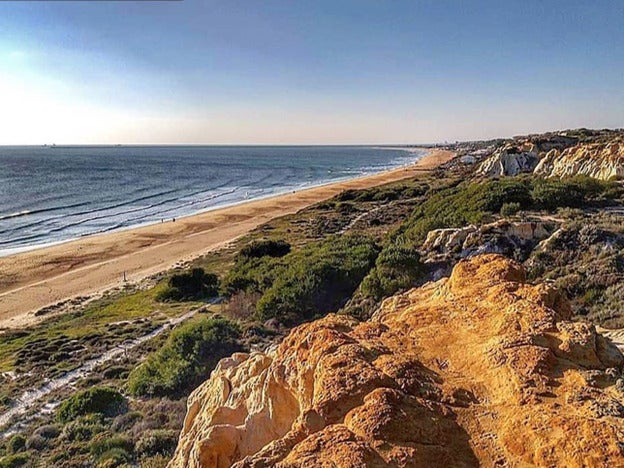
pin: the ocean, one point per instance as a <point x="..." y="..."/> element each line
<point x="54" y="194"/>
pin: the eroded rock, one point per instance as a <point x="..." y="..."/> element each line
<point x="479" y="369"/>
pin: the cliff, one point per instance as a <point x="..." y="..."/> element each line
<point x="598" y="160"/>
<point x="481" y="368"/>
<point x="510" y="160"/>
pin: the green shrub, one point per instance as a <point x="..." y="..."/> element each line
<point x="573" y="192"/>
<point x="103" y="445"/>
<point x="16" y="443"/>
<point x="509" y="209"/>
<point x="397" y="267"/>
<point x="157" y="442"/>
<point x="126" y="421"/>
<point x="15" y="460"/>
<point x="318" y="279"/>
<point x="271" y="248"/>
<point x="158" y="461"/>
<point x="102" y="400"/>
<point x="113" y="458"/>
<point x="190" y="353"/>
<point x="190" y="286"/>
<point x="83" y="428"/>
<point x="252" y="274"/>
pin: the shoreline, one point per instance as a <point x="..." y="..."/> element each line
<point x="87" y="266"/>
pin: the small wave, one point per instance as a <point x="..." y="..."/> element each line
<point x="19" y="214"/>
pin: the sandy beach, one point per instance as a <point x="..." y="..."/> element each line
<point x="87" y="266"/>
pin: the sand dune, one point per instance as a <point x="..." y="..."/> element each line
<point x="38" y="278"/>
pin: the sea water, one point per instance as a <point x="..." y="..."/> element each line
<point x="52" y="194"/>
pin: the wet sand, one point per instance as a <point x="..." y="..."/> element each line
<point x="39" y="278"/>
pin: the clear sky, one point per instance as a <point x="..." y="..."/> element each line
<point x="307" y="71"/>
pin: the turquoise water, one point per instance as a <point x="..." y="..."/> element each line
<point x="52" y="194"/>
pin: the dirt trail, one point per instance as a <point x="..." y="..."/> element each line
<point x="32" y="396"/>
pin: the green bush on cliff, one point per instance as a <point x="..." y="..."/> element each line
<point x="262" y="248"/>
<point x="157" y="442"/>
<point x="398" y="267"/>
<point x="190" y="353"/>
<point x="101" y="400"/>
<point x="252" y="274"/>
<point x="190" y="286"/>
<point x="318" y="279"/>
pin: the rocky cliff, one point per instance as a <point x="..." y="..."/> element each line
<point x="479" y="369"/>
<point x="510" y="160"/>
<point x="599" y="160"/>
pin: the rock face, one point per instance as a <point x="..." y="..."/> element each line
<point x="479" y="369"/>
<point x="598" y="160"/>
<point x="511" y="238"/>
<point x="510" y="160"/>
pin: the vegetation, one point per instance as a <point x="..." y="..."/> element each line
<point x="101" y="400"/>
<point x="398" y="267"/>
<point x="262" y="248"/>
<point x="187" y="357"/>
<point x="318" y="279"/>
<point x="474" y="203"/>
<point x="190" y="286"/>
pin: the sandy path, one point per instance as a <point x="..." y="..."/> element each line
<point x="38" y="278"/>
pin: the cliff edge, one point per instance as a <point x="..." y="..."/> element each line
<point x="479" y="369"/>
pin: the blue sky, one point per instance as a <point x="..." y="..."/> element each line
<point x="325" y="72"/>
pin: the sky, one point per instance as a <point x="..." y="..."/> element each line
<point x="306" y="71"/>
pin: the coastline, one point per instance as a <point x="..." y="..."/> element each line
<point x="38" y="278"/>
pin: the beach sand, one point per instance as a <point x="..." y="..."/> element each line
<point x="38" y="278"/>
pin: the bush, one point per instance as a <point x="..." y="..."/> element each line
<point x="113" y="458"/>
<point x="509" y="209"/>
<point x="126" y="421"/>
<point x="15" y="460"/>
<point x="263" y="248"/>
<point x="190" y="353"/>
<point x="17" y="443"/>
<point x="102" y="400"/>
<point x="158" y="461"/>
<point x="398" y="267"/>
<point x="157" y="442"/>
<point x="83" y="428"/>
<point x="318" y="279"/>
<point x="103" y="445"/>
<point x="190" y="286"/>
<point x="574" y="192"/>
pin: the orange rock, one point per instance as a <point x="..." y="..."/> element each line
<point x="480" y="369"/>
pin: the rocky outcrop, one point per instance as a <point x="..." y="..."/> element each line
<point x="514" y="239"/>
<point x="479" y="369"/>
<point x="598" y="160"/>
<point x="510" y="160"/>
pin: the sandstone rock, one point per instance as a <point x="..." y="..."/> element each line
<point x="479" y="369"/>
<point x="510" y="160"/>
<point x="511" y="238"/>
<point x="598" y="160"/>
